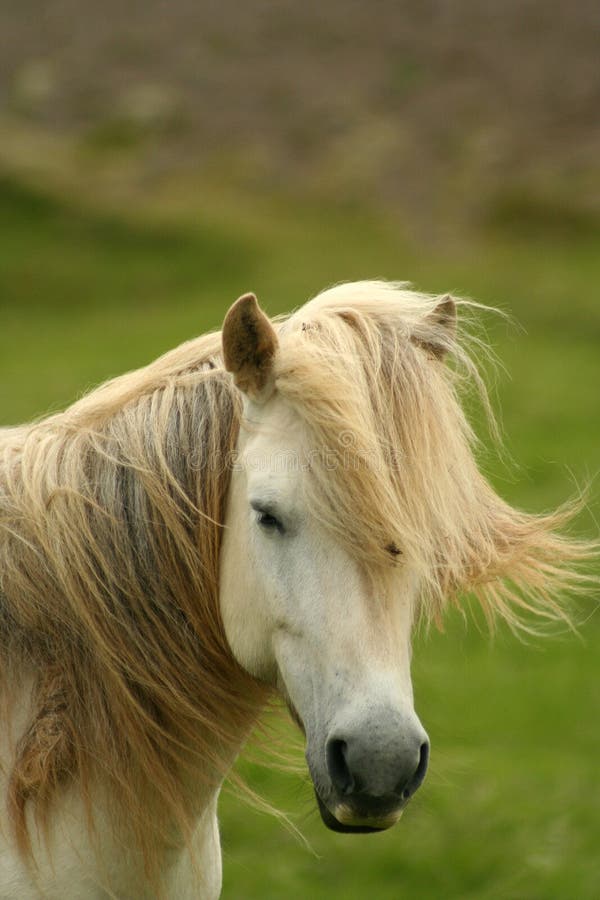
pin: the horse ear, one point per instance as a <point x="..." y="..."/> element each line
<point x="439" y="328"/>
<point x="249" y="346"/>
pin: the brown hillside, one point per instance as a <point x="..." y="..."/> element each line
<point x="470" y="108"/>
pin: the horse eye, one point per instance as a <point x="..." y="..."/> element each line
<point x="269" y="522"/>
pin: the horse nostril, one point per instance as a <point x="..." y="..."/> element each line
<point x="423" y="763"/>
<point x="407" y="789"/>
<point x="376" y="770"/>
<point x="337" y="766"/>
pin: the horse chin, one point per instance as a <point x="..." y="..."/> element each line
<point x="348" y="823"/>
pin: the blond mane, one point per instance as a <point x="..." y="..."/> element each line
<point x="378" y="378"/>
<point x="110" y="527"/>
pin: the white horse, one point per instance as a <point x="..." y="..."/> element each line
<point x="140" y="639"/>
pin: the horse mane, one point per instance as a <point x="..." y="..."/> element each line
<point x="379" y="377"/>
<point x="110" y="529"/>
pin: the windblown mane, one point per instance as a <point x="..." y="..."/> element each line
<point x="366" y="366"/>
<point x="110" y="524"/>
<point x="110" y="519"/>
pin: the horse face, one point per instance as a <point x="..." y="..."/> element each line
<point x="300" y="615"/>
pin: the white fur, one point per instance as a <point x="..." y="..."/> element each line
<point x="298" y="611"/>
<point x="70" y="868"/>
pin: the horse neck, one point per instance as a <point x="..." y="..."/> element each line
<point x="161" y="629"/>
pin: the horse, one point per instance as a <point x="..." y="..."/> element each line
<point x="265" y="511"/>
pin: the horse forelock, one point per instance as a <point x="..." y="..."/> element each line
<point x="393" y="457"/>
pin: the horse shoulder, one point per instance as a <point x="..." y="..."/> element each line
<point x="69" y="868"/>
<point x="69" y="865"/>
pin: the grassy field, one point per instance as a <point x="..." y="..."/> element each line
<point x="511" y="807"/>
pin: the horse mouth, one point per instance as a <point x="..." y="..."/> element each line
<point x="346" y="821"/>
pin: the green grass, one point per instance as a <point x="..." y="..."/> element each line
<point x="510" y="808"/>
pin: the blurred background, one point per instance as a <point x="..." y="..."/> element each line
<point x="157" y="159"/>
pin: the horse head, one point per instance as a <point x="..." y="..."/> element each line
<point x="301" y="610"/>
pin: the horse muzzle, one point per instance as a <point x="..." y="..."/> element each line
<point x="373" y="771"/>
